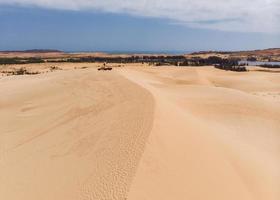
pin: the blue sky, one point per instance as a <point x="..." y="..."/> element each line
<point x="38" y="27"/>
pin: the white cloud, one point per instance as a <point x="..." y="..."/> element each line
<point x="231" y="15"/>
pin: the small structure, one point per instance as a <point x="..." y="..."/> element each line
<point x="105" y="68"/>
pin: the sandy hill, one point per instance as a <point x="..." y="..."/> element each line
<point x="140" y="132"/>
<point x="272" y="54"/>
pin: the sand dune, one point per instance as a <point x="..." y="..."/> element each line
<point x="71" y="135"/>
<point x="212" y="138"/>
<point x="140" y="133"/>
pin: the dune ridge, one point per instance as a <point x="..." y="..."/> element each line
<point x="71" y="135"/>
<point x="212" y="138"/>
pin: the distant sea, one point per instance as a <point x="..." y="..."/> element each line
<point x="136" y="52"/>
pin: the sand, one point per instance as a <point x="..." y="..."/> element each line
<point x="71" y="135"/>
<point x="140" y="133"/>
<point x="212" y="138"/>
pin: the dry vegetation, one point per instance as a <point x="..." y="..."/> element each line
<point x="257" y="55"/>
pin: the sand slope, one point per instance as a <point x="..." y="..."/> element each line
<point x="140" y="133"/>
<point x="71" y="135"/>
<point x="212" y="138"/>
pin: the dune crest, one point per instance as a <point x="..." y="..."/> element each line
<point x="212" y="138"/>
<point x="71" y="135"/>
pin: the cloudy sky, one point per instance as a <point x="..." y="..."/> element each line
<point x="128" y="25"/>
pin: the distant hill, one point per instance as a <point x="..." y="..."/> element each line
<point x="35" y="51"/>
<point x="252" y="52"/>
<point x="272" y="51"/>
<point x="272" y="54"/>
<point x="42" y="53"/>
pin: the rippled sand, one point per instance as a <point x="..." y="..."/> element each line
<point x="139" y="132"/>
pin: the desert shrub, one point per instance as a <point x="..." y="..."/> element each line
<point x="252" y="59"/>
<point x="228" y="67"/>
<point x="23" y="71"/>
<point x="53" y="68"/>
<point x="20" y="60"/>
